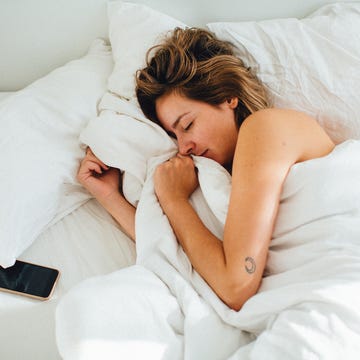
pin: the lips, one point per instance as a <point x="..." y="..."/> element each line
<point x="204" y="153"/>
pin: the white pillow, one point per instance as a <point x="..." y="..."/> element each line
<point x="312" y="64"/>
<point x="133" y="29"/>
<point x="121" y="136"/>
<point x="40" y="149"/>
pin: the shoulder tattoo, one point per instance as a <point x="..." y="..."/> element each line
<point x="250" y="265"/>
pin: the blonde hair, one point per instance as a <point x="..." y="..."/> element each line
<point x="194" y="63"/>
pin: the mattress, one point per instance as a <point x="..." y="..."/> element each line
<point x="85" y="243"/>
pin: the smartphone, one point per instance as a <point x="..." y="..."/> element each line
<point x="28" y="279"/>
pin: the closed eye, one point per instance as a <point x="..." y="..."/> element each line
<point x="189" y="126"/>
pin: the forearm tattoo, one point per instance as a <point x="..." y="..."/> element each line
<point x="250" y="265"/>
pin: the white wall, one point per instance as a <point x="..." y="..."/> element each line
<point x="37" y="36"/>
<point x="200" y="12"/>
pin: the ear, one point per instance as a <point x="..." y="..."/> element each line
<point x="233" y="102"/>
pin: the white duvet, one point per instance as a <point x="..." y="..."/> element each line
<point x="307" y="306"/>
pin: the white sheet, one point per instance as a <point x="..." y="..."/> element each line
<point x="85" y="243"/>
<point x="4" y="95"/>
<point x="311" y="281"/>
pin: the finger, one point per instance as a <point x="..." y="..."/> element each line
<point x="88" y="170"/>
<point x="187" y="160"/>
<point x="90" y="166"/>
<point x="90" y="155"/>
<point x="180" y="156"/>
<point x="184" y="157"/>
<point x="104" y="166"/>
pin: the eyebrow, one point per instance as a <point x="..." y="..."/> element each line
<point x="176" y="122"/>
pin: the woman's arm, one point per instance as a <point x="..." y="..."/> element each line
<point x="232" y="268"/>
<point x="269" y="143"/>
<point x="103" y="183"/>
<point x="122" y="211"/>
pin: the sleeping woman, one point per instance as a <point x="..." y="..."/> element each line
<point x="202" y="95"/>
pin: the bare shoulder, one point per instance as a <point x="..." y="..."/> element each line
<point x="288" y="133"/>
<point x="283" y="120"/>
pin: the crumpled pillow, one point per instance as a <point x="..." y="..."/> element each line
<point x="310" y="64"/>
<point x="133" y="29"/>
<point x="40" y="149"/>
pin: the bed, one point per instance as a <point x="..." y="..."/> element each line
<point x="69" y="94"/>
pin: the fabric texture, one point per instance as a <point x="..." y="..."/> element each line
<point x="131" y="24"/>
<point x="131" y="134"/>
<point x="85" y="243"/>
<point x="40" y="149"/>
<point x="311" y="281"/>
<point x="154" y="323"/>
<point x="310" y="284"/>
<point x="311" y="64"/>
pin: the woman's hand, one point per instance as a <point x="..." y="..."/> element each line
<point x="175" y="180"/>
<point x="100" y="180"/>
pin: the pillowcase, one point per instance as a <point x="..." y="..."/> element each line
<point x="133" y="29"/>
<point x="40" y="149"/>
<point x="121" y="136"/>
<point x="312" y="64"/>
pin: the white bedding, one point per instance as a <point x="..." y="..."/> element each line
<point x="4" y="95"/>
<point x="40" y="151"/>
<point x="85" y="243"/>
<point x="309" y="291"/>
<point x="160" y="308"/>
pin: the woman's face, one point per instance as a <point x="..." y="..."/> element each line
<point x="200" y="129"/>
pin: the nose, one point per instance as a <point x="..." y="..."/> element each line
<point x="186" y="147"/>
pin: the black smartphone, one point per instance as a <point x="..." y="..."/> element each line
<point x="28" y="279"/>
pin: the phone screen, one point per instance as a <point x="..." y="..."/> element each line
<point x="28" y="279"/>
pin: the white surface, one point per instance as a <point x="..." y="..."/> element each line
<point x="154" y="317"/>
<point x="127" y="137"/>
<point x="129" y="24"/>
<point x="85" y="243"/>
<point x="37" y="36"/>
<point x="311" y="279"/>
<point x="309" y="293"/>
<point x="40" y="150"/>
<point x="4" y="95"/>
<point x="324" y="80"/>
